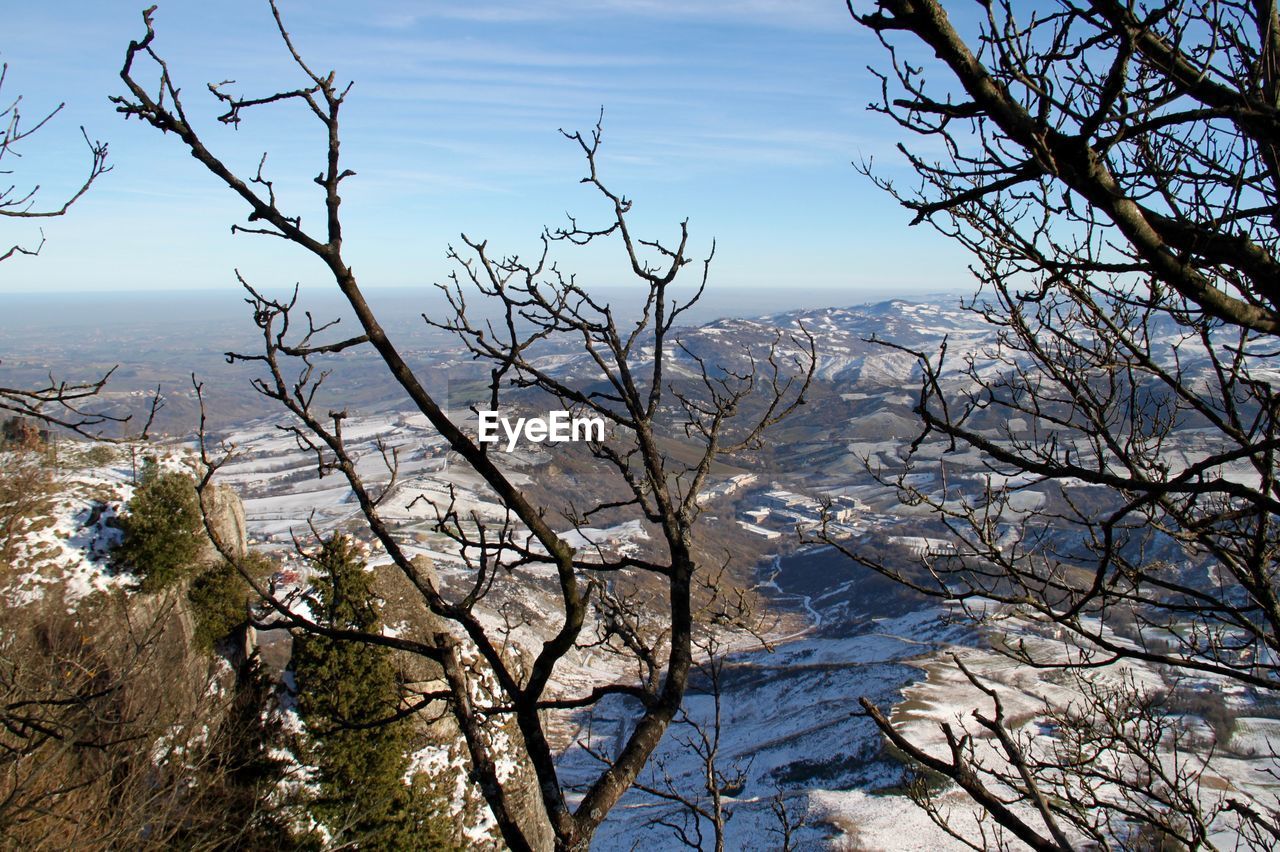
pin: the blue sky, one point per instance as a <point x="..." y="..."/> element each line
<point x="742" y="116"/>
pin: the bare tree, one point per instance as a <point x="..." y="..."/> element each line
<point x="710" y="802"/>
<point x="693" y="805"/>
<point x="637" y="607"/>
<point x="115" y="734"/>
<point x="18" y="203"/>
<point x="1113" y="170"/>
<point x="786" y="822"/>
<point x="58" y="403"/>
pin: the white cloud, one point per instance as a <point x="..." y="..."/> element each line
<point x="779" y="13"/>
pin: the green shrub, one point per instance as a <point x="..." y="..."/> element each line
<point x="163" y="530"/>
<point x="343" y="688"/>
<point x="99" y="455"/>
<point x="220" y="597"/>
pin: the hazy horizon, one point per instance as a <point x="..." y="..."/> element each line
<point x="34" y="310"/>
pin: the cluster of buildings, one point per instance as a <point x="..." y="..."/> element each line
<point x="773" y="512"/>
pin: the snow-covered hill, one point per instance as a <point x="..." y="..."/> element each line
<point x="790" y="717"/>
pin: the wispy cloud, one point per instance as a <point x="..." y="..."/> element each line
<point x="453" y="119"/>
<point x="775" y="13"/>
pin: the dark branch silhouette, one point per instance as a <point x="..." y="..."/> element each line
<point x="1113" y="171"/>
<point x="639" y="609"/>
<point x="68" y="405"/>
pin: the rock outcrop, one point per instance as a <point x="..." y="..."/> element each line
<point x="225" y="512"/>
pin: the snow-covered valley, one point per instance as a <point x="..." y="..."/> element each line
<point x="803" y="754"/>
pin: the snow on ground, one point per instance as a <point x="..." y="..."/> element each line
<point x="1254" y="737"/>
<point x="283" y="496"/>
<point x="869" y="821"/>
<point x="65" y="552"/>
<point x="791" y="718"/>
<point x="792" y="724"/>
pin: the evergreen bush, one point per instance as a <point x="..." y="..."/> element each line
<point x="162" y="529"/>
<point x="345" y="689"/>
